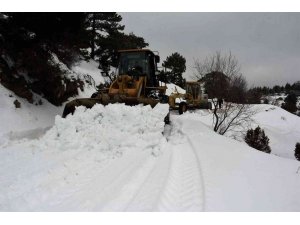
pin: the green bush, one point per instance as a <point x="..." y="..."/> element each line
<point x="257" y="139"/>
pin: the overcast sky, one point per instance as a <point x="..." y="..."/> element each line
<point x="267" y="45"/>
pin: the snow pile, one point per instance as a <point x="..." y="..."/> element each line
<point x="40" y="173"/>
<point x="112" y="129"/>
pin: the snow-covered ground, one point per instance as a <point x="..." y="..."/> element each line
<point x="122" y="158"/>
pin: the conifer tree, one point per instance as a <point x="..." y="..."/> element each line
<point x="176" y="63"/>
<point x="257" y="139"/>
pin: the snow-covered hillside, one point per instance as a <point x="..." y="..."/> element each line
<point x="280" y="126"/>
<point x="30" y="119"/>
<point x="34" y="119"/>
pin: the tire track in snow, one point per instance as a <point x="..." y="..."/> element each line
<point x="140" y="192"/>
<point x="105" y="185"/>
<point x="184" y="189"/>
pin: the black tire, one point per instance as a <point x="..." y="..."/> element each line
<point x="182" y="108"/>
<point x="167" y="119"/>
<point x="94" y="95"/>
<point x="69" y="109"/>
<point x="209" y="105"/>
<point x="165" y="99"/>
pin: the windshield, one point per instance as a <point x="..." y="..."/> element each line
<point x="133" y="61"/>
<point x="193" y="89"/>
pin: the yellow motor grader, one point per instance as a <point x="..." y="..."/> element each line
<point x="192" y="99"/>
<point x="136" y="83"/>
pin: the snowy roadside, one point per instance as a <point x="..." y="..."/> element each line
<point x="115" y="158"/>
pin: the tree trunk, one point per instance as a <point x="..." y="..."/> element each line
<point x="93" y="37"/>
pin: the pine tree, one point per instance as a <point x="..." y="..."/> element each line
<point x="216" y="85"/>
<point x="297" y="151"/>
<point x="290" y="103"/>
<point x="106" y="38"/>
<point x="257" y="139"/>
<point x="100" y="25"/>
<point x="176" y="63"/>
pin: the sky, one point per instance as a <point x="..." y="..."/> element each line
<point x="266" y="45"/>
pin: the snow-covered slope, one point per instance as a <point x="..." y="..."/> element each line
<point x="32" y="120"/>
<point x="280" y="126"/>
<point x="116" y="158"/>
<point x="90" y="68"/>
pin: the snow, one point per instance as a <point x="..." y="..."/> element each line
<point x="281" y="127"/>
<point x="74" y="151"/>
<point x="123" y="158"/>
<point x="90" y="68"/>
<point x="30" y="119"/>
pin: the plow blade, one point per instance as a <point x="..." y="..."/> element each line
<point x="105" y="100"/>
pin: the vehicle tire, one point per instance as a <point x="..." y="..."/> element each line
<point x="94" y="95"/>
<point x="209" y="105"/>
<point x="182" y="108"/>
<point x="167" y="119"/>
<point x="165" y="99"/>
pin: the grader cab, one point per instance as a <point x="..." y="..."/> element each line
<point x="194" y="98"/>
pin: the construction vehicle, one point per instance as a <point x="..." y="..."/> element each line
<point x="136" y="83"/>
<point x="194" y="98"/>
